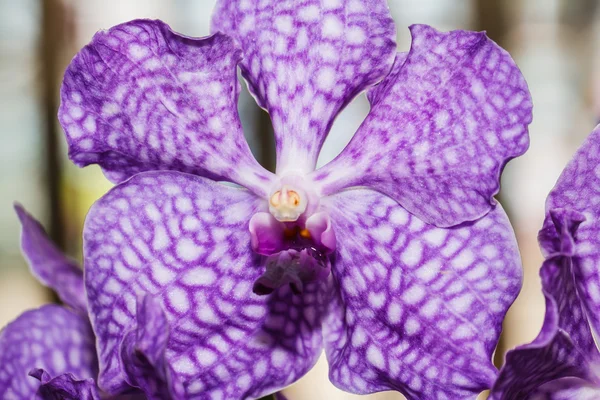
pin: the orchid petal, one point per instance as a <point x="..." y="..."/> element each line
<point x="49" y="265"/>
<point x="304" y="63"/>
<point x="64" y="387"/>
<point x="141" y="97"/>
<point x="552" y="355"/>
<point x="184" y="241"/>
<point x="143" y="350"/>
<point x="577" y="192"/>
<point x="420" y="308"/>
<point x="51" y="338"/>
<point x="442" y="126"/>
<point x="567" y="389"/>
<point x="558" y="280"/>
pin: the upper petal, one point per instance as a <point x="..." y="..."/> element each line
<point x="442" y="126"/>
<point x="51" y="338"/>
<point x="184" y="241"/>
<point x="49" y="265"/>
<point x="141" y="97"/>
<point x="577" y="193"/>
<point x="420" y="307"/>
<point x="304" y="63"/>
<point x="552" y="355"/>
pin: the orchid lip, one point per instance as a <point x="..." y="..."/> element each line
<point x="295" y="237"/>
<point x="296" y="253"/>
<point x="293" y="267"/>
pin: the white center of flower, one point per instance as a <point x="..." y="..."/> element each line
<point x="287" y="204"/>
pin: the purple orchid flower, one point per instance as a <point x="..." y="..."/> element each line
<point x="563" y="362"/>
<point x="394" y="257"/>
<point x="48" y="353"/>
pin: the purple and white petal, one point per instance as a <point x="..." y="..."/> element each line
<point x="568" y="389"/>
<point x="141" y="97"/>
<point x="578" y="192"/>
<point x="51" y="338"/>
<point x="64" y="386"/>
<point x="143" y="350"/>
<point x="49" y="265"/>
<point x="559" y="278"/>
<point x="305" y="62"/>
<point x="551" y="356"/>
<point x="184" y="241"/>
<point x="420" y="308"/>
<point x="442" y="126"/>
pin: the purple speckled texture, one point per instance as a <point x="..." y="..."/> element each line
<point x="49" y="265"/>
<point x="565" y="348"/>
<point x="172" y="257"/>
<point x="568" y="389"/>
<point x="305" y="62"/>
<point x="65" y="386"/>
<point x="143" y="350"/>
<point x="551" y="356"/>
<point x="442" y="126"/>
<point x="141" y="97"/>
<point x="422" y="306"/>
<point x="49" y="353"/>
<point x="51" y="338"/>
<point x="578" y="190"/>
<point x="185" y="241"/>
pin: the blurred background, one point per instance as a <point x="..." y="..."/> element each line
<point x="556" y="43"/>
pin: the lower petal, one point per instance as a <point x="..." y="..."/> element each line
<point x="65" y="387"/>
<point x="575" y="194"/>
<point x="51" y="338"/>
<point x="143" y="350"/>
<point x="568" y="389"/>
<point x="552" y="355"/>
<point x="184" y="241"/>
<point x="49" y="265"/>
<point x="420" y="308"/>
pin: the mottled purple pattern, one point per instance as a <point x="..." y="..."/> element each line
<point x="567" y="389"/>
<point x="305" y="61"/>
<point x="49" y="265"/>
<point x="141" y="97"/>
<point x="421" y="307"/>
<point x="65" y="387"/>
<point x="552" y="355"/>
<point x="442" y="126"/>
<point x="557" y="281"/>
<point x="184" y="240"/>
<point x="571" y="281"/>
<point x="51" y="338"/>
<point x="578" y="190"/>
<point x="143" y="350"/>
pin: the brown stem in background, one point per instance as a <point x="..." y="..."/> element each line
<point x="52" y="40"/>
<point x="51" y="43"/>
<point x="491" y="16"/>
